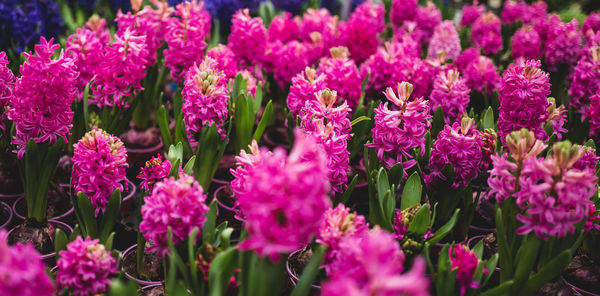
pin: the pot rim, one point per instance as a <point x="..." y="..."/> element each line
<point x="10" y="214"/>
<point x="140" y="282"/>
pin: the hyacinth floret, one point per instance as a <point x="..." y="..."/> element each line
<point x="285" y="198"/>
<point x="526" y="43"/>
<point x="523" y="102"/>
<point x="403" y="10"/>
<point x="304" y="87"/>
<point x="175" y="204"/>
<point x="248" y="38"/>
<point x="486" y="33"/>
<point x="585" y="80"/>
<point x="204" y="98"/>
<point x="342" y="75"/>
<point x="470" y="13"/>
<point x="121" y="71"/>
<point x="445" y="40"/>
<point x="401" y="128"/>
<point x="99" y="164"/>
<point x="154" y="170"/>
<point x="87" y="49"/>
<point x="465" y="262"/>
<point x="7" y="83"/>
<point x="322" y="108"/>
<point x="85" y="267"/>
<point x="244" y="162"/>
<point x="372" y="264"/>
<point x="460" y="146"/>
<point x="225" y="59"/>
<point x="185" y="35"/>
<point x="22" y="270"/>
<point x="451" y="93"/>
<point x="41" y="103"/>
<point x="562" y="46"/>
<point x="593" y="115"/>
<point x="360" y="33"/>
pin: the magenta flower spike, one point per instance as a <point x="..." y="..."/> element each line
<point x="175" y="203"/>
<point x="85" y="267"/>
<point x="156" y="169"/>
<point x="342" y="75"/>
<point x="470" y="13"/>
<point x="99" y="164"/>
<point x="248" y="38"/>
<point x="513" y="11"/>
<point x="204" y="98"/>
<point x="563" y="44"/>
<point x="585" y="80"/>
<point x="87" y="49"/>
<point x="465" y="262"/>
<point x="593" y="114"/>
<point x="444" y="41"/>
<point x="403" y="10"/>
<point x="591" y="26"/>
<point x="486" y="33"/>
<point x="185" y="35"/>
<point x="285" y="198"/>
<point x="523" y="102"/>
<point x="119" y="75"/>
<point x="451" y="92"/>
<point x="304" y="87"/>
<point x="526" y="43"/>
<point x="22" y="270"/>
<point x="244" y="163"/>
<point x="479" y="72"/>
<point x="588" y="160"/>
<point x="372" y="264"/>
<point x="400" y="128"/>
<point x="41" y="102"/>
<point x="225" y="59"/>
<point x="360" y="33"/>
<point x="338" y="224"/>
<point x="288" y="60"/>
<point x="322" y="108"/>
<point x="284" y="28"/>
<point x="7" y="84"/>
<point x="428" y="17"/>
<point x="461" y="146"/>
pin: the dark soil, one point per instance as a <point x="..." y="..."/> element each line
<point x="484" y="214"/>
<point x="490" y="246"/>
<point x="41" y="235"/>
<point x="10" y="183"/>
<point x="62" y="175"/>
<point x="584" y="272"/>
<point x="556" y="288"/>
<point x="276" y="135"/>
<point x="223" y="169"/>
<point x="155" y="291"/>
<point x="153" y="269"/>
<point x="299" y="260"/>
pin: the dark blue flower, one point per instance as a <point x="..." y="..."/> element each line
<point x="223" y="10"/>
<point x="292" y="6"/>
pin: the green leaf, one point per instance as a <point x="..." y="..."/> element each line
<point x="109" y="241"/>
<point x="420" y="222"/>
<point x="359" y="119"/>
<point x="411" y="195"/>
<point x="487" y="121"/>
<point x="590" y="143"/>
<point x="237" y="85"/>
<point x="551" y="270"/>
<point x="267" y="119"/>
<point x="506" y="263"/>
<point x="214" y="36"/>
<point x="445" y="229"/>
<point x="208" y="231"/>
<point x="60" y="241"/>
<point x="111" y="213"/>
<point x="163" y="125"/>
<point x="396" y="174"/>
<point x="349" y="190"/>
<point x="121" y="287"/>
<point x="189" y="166"/>
<point x="226" y="237"/>
<point x="208" y="155"/>
<point x="87" y="211"/>
<point x="437" y="124"/>
<point x="220" y="272"/>
<point x="175" y="152"/>
<point x="501" y="289"/>
<point x="257" y="100"/>
<point x="244" y="123"/>
<point x="310" y="273"/>
<point x="526" y="257"/>
<point x="193" y="264"/>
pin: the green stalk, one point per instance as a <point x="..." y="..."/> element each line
<point x="40" y="163"/>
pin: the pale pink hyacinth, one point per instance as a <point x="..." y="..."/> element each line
<point x="403" y="10"/>
<point x="338" y="224"/>
<point x="119" y="75"/>
<point x="204" y="98"/>
<point x="360" y="33"/>
<point x="372" y="264"/>
<point x="225" y="59"/>
<point x="7" y="83"/>
<point x="22" y="270"/>
<point x="87" y="50"/>
<point x="324" y="108"/>
<point x="99" y="164"/>
<point x="40" y="106"/>
<point x="85" y="267"/>
<point x="342" y="75"/>
<point x="178" y="204"/>
<point x="470" y="13"/>
<point x="155" y="169"/>
<point x="285" y="199"/>
<point x="248" y="38"/>
<point x="450" y="91"/>
<point x="486" y="33"/>
<point x="445" y="40"/>
<point x="186" y="32"/>
<point x="563" y="44"/>
<point x="465" y="262"/>
<point x="401" y="128"/>
<point x="523" y="102"/>
<point x="284" y="28"/>
<point x="526" y="43"/>
<point x="304" y="87"/>
<point x="460" y="146"/>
